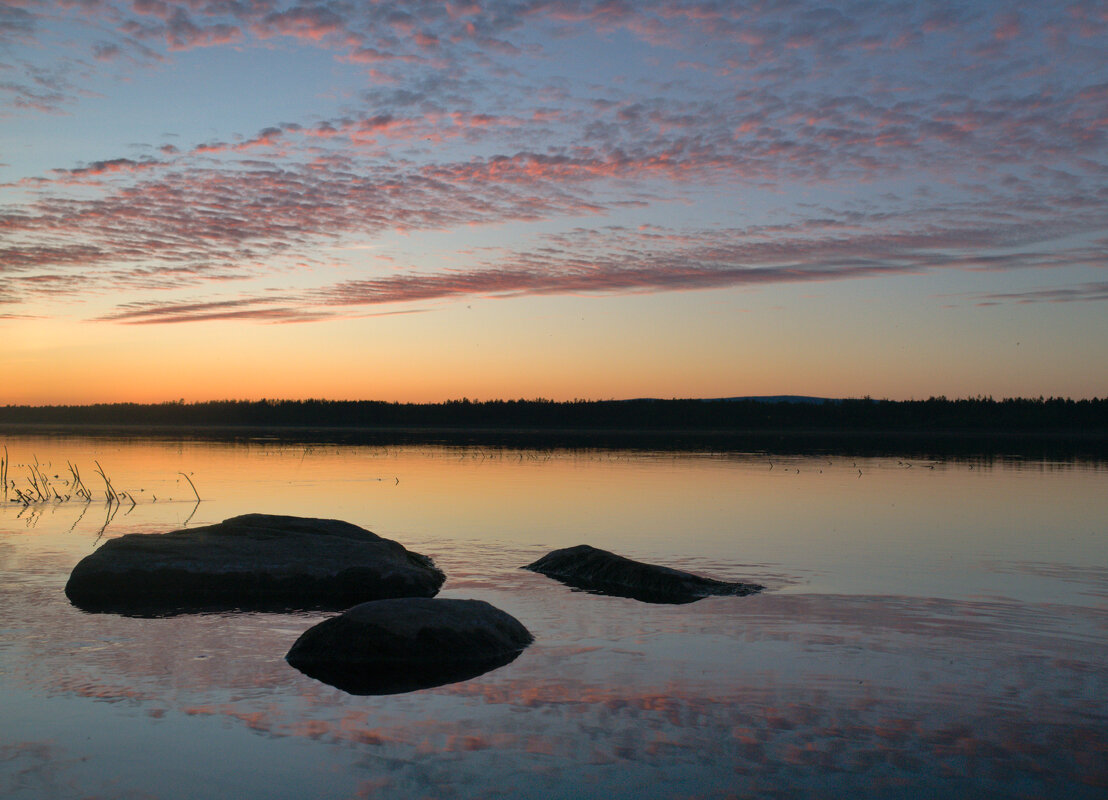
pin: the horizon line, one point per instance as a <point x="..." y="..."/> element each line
<point x="774" y="398"/>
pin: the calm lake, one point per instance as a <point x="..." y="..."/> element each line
<point x="929" y="628"/>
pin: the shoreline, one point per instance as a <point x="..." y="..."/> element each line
<point x="856" y="441"/>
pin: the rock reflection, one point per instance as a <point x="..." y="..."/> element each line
<point x="805" y="696"/>
<point x="163" y="610"/>
<point x="642" y="595"/>
<point x="381" y="680"/>
<point x="899" y="687"/>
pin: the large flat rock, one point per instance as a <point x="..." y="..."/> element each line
<point x="251" y="562"/>
<point x="598" y="571"/>
<point x="400" y="645"/>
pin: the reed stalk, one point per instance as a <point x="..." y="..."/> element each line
<point x="79" y="488"/>
<point x="109" y="492"/>
<point x="187" y="478"/>
<point x="41" y="489"/>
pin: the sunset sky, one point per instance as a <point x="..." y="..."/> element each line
<point x="417" y="201"/>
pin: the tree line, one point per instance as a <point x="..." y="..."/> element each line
<point x="977" y="415"/>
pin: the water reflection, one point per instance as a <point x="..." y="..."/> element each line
<point x="391" y="679"/>
<point x="925" y="632"/>
<point x="809" y="694"/>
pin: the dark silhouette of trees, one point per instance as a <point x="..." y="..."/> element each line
<point x="937" y="414"/>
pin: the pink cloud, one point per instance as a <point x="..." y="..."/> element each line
<point x="182" y="34"/>
<point x="106" y="51"/>
<point x="370" y="55"/>
<point x="115" y="165"/>
<point x="801" y="102"/>
<point x="269" y="137"/>
<point x="255" y="310"/>
<point x="210" y="148"/>
<point x="1008" y="26"/>
<point x="305" y="22"/>
<point x="1082" y="293"/>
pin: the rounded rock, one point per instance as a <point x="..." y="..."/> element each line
<point x="254" y="561"/>
<point x="398" y="645"/>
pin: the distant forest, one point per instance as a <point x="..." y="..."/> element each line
<point x="980" y="415"/>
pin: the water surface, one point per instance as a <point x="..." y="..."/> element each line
<point x="929" y="627"/>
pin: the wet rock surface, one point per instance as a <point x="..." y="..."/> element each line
<point x="255" y="561"/>
<point x="598" y="571"/>
<point x="404" y="644"/>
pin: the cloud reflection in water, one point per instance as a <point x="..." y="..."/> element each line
<point x="793" y="692"/>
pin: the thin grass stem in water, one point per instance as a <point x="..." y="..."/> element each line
<point x="187" y="478"/>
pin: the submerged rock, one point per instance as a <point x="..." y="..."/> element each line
<point x="256" y="561"/>
<point x="601" y="572"/>
<point x="393" y="646"/>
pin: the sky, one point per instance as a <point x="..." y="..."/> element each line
<point x="420" y="201"/>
